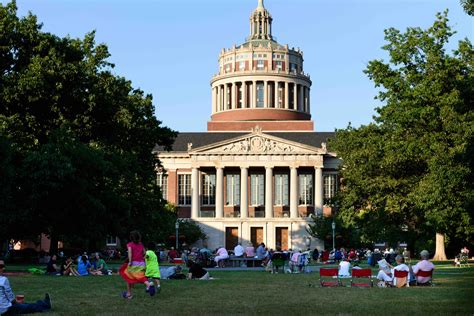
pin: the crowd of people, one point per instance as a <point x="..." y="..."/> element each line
<point x="83" y="265"/>
<point x="142" y="266"/>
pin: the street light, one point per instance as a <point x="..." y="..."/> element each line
<point x="176" y="226"/>
<point x="333" y="234"/>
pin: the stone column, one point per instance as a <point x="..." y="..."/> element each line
<point x="275" y="95"/>
<point x="293" y="192"/>
<point x="295" y="96"/>
<point x="234" y="96"/>
<point x="218" y="103"/>
<point x="287" y="95"/>
<point x="244" y="94"/>
<point x="244" y="201"/>
<point x="226" y="96"/>
<point x="254" y="94"/>
<point x="221" y="97"/>
<point x="195" y="193"/>
<point x="213" y="99"/>
<point x="265" y="94"/>
<point x="301" y="99"/>
<point x="308" y="105"/>
<point x="268" y="192"/>
<point x="318" y="191"/>
<point x="219" y="192"/>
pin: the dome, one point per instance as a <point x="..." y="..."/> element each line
<point x="260" y="82"/>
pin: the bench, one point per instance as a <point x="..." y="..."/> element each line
<point x="239" y="261"/>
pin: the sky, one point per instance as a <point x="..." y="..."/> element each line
<point x="170" y="48"/>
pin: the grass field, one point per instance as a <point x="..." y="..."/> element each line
<point x="251" y="292"/>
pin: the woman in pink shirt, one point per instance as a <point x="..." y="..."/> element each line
<point x="250" y="250"/>
<point x="133" y="271"/>
<point x="221" y="255"/>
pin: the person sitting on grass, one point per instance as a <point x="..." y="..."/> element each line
<point x="8" y="303"/>
<point x="67" y="266"/>
<point x="52" y="267"/>
<point x="385" y="277"/>
<point x="424" y="265"/>
<point x="84" y="266"/>
<point x="196" y="272"/>
<point x="101" y="266"/>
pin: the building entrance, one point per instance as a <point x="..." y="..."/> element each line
<point x="231" y="237"/>
<point x="281" y="237"/>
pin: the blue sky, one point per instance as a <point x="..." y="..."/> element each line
<point x="170" y="48"/>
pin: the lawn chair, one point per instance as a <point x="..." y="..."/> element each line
<point x="362" y="273"/>
<point x="401" y="279"/>
<point x="329" y="273"/>
<point x="425" y="274"/>
<point x="278" y="261"/>
<point x="303" y="261"/>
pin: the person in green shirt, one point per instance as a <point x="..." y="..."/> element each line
<point x="102" y="268"/>
<point x="152" y="271"/>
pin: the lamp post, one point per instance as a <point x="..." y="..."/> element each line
<point x="333" y="234"/>
<point x="176" y="226"/>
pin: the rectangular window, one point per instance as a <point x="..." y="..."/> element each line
<point x="260" y="64"/>
<point x="306" y="189"/>
<point x="227" y="68"/>
<point x="257" y="187"/>
<point x="208" y="189"/>
<point x="232" y="189"/>
<point x="281" y="189"/>
<point x="184" y="189"/>
<point x="330" y="185"/>
<point x="293" y="67"/>
<point x="162" y="182"/>
<point x="260" y="95"/>
<point x="111" y="241"/>
<point x="242" y="65"/>
<point x="279" y="65"/>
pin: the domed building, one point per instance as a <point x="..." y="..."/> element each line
<point x="261" y="83"/>
<point x="260" y="170"/>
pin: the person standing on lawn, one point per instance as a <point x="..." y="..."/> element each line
<point x="133" y="270"/>
<point x="152" y="271"/>
<point x="8" y="303"/>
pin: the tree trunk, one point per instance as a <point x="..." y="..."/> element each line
<point x="440" y="255"/>
<point x="53" y="246"/>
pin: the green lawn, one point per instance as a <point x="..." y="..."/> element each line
<point x="251" y="292"/>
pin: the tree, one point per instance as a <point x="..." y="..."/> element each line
<point x="78" y="137"/>
<point x="410" y="172"/>
<point x="468" y="6"/>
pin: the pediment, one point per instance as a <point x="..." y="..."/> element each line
<point x="257" y="143"/>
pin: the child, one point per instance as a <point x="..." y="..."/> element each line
<point x="133" y="270"/>
<point x="152" y="270"/>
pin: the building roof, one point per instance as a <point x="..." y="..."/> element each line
<point x="200" y="139"/>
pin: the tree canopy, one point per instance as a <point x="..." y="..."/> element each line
<point x="75" y="139"/>
<point x="409" y="173"/>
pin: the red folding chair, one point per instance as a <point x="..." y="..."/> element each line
<point x="362" y="273"/>
<point x="401" y="278"/>
<point x="425" y="274"/>
<point x="329" y="273"/>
